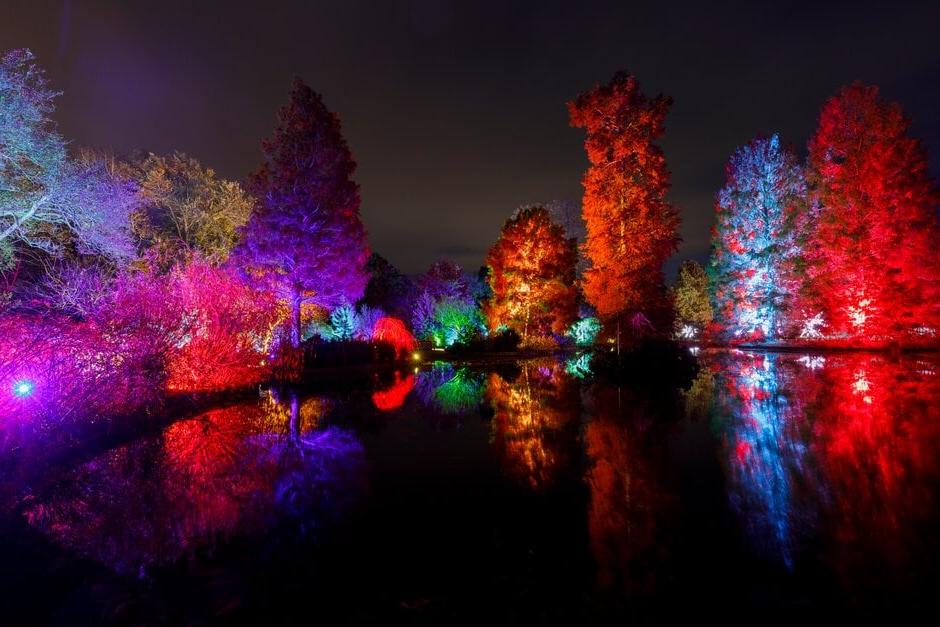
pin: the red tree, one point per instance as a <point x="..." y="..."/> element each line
<point x="631" y="229"/>
<point x="532" y="276"/>
<point x="872" y="251"/>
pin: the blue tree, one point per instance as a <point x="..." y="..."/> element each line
<point x="754" y="242"/>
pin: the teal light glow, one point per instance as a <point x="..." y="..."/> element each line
<point x="23" y="388"/>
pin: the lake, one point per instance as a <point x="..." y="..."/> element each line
<point x="519" y="491"/>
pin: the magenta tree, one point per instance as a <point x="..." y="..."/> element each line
<point x="305" y="241"/>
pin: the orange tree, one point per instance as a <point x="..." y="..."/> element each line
<point x="532" y="276"/>
<point x="631" y="229"/>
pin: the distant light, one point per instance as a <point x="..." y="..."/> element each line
<point x="23" y="388"/>
<point x="416" y="356"/>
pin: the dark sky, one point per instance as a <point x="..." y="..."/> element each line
<point x="455" y="112"/>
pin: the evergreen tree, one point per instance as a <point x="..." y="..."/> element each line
<point x="631" y="229"/>
<point x="754" y="242"/>
<point x="305" y="240"/>
<point x="873" y="254"/>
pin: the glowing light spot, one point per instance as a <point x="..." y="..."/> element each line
<point x="811" y="327"/>
<point x="861" y="384"/>
<point x="814" y="362"/>
<point x="23" y="388"/>
<point x="416" y="356"/>
<point x="859" y="313"/>
<point x="688" y="332"/>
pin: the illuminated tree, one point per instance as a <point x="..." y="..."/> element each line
<point x="584" y="331"/>
<point x="305" y="240"/>
<point x="754" y="243"/>
<point x="873" y="268"/>
<point x="48" y="202"/>
<point x="631" y="229"/>
<point x="393" y="331"/>
<point x="532" y="276"/>
<point x="690" y="300"/>
<point x="187" y="209"/>
<point x="344" y="322"/>
<point x="446" y="309"/>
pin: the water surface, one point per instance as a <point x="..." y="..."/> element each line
<point x="529" y="491"/>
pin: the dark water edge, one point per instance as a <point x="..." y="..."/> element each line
<point x="766" y="486"/>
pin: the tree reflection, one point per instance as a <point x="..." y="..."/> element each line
<point x="393" y="397"/>
<point x="627" y="498"/>
<point x="225" y="473"/>
<point x="762" y="419"/>
<point x="532" y="415"/>
<point x="837" y="453"/>
<point x="450" y="390"/>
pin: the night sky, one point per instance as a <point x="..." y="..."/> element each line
<point x="455" y="112"/>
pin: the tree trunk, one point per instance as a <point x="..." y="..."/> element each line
<point x="296" y="334"/>
<point x="618" y="338"/>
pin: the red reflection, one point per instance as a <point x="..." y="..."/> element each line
<point x="394" y="397"/>
<point x="626" y="499"/>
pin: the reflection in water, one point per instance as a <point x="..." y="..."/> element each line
<point x="827" y="466"/>
<point x="232" y="471"/>
<point x="627" y="500"/>
<point x="839" y="451"/>
<point x="531" y="414"/>
<point x="764" y="420"/>
<point x="450" y="390"/>
<point x="393" y="397"/>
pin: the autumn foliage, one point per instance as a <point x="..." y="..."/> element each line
<point x="631" y="229"/>
<point x="532" y="276"/>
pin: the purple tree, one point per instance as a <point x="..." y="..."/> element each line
<point x="305" y="241"/>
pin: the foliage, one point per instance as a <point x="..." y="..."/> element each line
<point x="388" y="288"/>
<point x="446" y="311"/>
<point x="532" y="276"/>
<point x="48" y="202"/>
<point x="186" y="210"/>
<point x="305" y="241"/>
<point x="872" y="265"/>
<point x="584" y="332"/>
<point x="73" y="369"/>
<point x="754" y="246"/>
<point x="366" y="319"/>
<point x="343" y="322"/>
<point x="394" y="332"/>
<point x="690" y="297"/>
<point x="201" y="325"/>
<point x="631" y="229"/>
<point x="456" y="322"/>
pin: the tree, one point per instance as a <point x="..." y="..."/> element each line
<point x="445" y="279"/>
<point x="872" y="254"/>
<point x="305" y="240"/>
<point x="532" y="276"/>
<point x="187" y="209"/>
<point x="631" y="229"/>
<point x="446" y="310"/>
<point x="690" y="299"/>
<point x="48" y="202"/>
<point x="388" y="288"/>
<point x="754" y="243"/>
